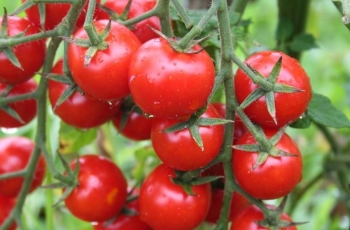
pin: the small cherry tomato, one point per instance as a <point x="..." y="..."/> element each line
<point x="26" y="109"/>
<point x="170" y="84"/>
<point x="179" y="150"/>
<point x="289" y="106"/>
<point x="165" y="205"/>
<point x="80" y="110"/>
<point x="101" y="191"/>
<point x="106" y="77"/>
<point x="274" y="178"/>
<point x="31" y="55"/>
<point x="248" y="218"/>
<point x="137" y="126"/>
<point x="15" y="153"/>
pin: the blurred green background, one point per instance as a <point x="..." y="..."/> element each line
<point x="324" y="205"/>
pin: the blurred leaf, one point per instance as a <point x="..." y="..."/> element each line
<point x="322" y="111"/>
<point x="72" y="139"/>
<point x="302" y="42"/>
<point x="301" y="123"/>
<point x="143" y="163"/>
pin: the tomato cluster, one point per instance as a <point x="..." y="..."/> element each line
<point x="168" y="88"/>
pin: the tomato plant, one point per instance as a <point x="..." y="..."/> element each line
<point x="141" y="29"/>
<point x="284" y="171"/>
<point x="101" y="185"/>
<point x="29" y="64"/>
<point x="179" y="150"/>
<point x="26" y="109"/>
<point x="160" y="199"/>
<point x="15" y="153"/>
<point x="289" y="106"/>
<point x="96" y="112"/>
<point x="247" y="219"/>
<point x="106" y="76"/>
<point x="161" y="79"/>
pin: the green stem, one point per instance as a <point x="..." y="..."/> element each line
<point x="88" y="25"/>
<point x="197" y="29"/>
<point x="55" y="1"/>
<point x="13" y="174"/>
<point x="238" y="6"/>
<point x="182" y="12"/>
<point x="6" y="100"/>
<point x="163" y="13"/>
<point x="49" y="202"/>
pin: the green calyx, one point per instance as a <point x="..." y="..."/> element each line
<point x="263" y="151"/>
<point x="268" y="87"/>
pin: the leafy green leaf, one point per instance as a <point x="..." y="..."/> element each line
<point x="322" y="111"/>
<point x="302" y="42"/>
<point x="72" y="139"/>
<point x="301" y="123"/>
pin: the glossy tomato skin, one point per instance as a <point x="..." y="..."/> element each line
<point x="273" y="179"/>
<point x="169" y="84"/>
<point x="137" y="127"/>
<point x="6" y="206"/>
<point x="138" y="7"/>
<point x="26" y="109"/>
<point x="125" y="221"/>
<point x="289" y="106"/>
<point x="10" y="74"/>
<point x="239" y="127"/>
<point x="238" y="203"/>
<point x="165" y="205"/>
<point x="179" y="151"/>
<point x="54" y="14"/>
<point x="106" y="77"/>
<point x="249" y="216"/>
<point x="96" y="112"/>
<point x="101" y="192"/>
<point x="15" y="153"/>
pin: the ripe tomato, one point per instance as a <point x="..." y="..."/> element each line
<point x="26" y="109"/>
<point x="248" y="217"/>
<point x="239" y="127"/>
<point x="273" y="179"/>
<point x="30" y="55"/>
<point x="96" y="112"/>
<point x="125" y="221"/>
<point x="54" y="13"/>
<point x="106" y="77"/>
<point x="169" y="84"/>
<point x="165" y="205"/>
<point x="289" y="106"/>
<point x="179" y="151"/>
<point x="101" y="191"/>
<point x="137" y="127"/>
<point x="238" y="203"/>
<point x="138" y="7"/>
<point x="6" y="206"/>
<point x="15" y="153"/>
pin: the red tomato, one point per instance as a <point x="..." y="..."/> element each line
<point x="178" y="150"/>
<point x="96" y="112"/>
<point x="106" y="77"/>
<point x="138" y="7"/>
<point x="101" y="192"/>
<point x="15" y="153"/>
<point x="289" y="106"/>
<point x="248" y="217"/>
<point x="30" y="55"/>
<point x="6" y="206"/>
<point x="137" y="127"/>
<point x="54" y="13"/>
<point x="239" y="127"/>
<point x="169" y="84"/>
<point x="273" y="179"/>
<point x="165" y="205"/>
<point x="125" y="221"/>
<point x="26" y="109"/>
<point x="238" y="203"/>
